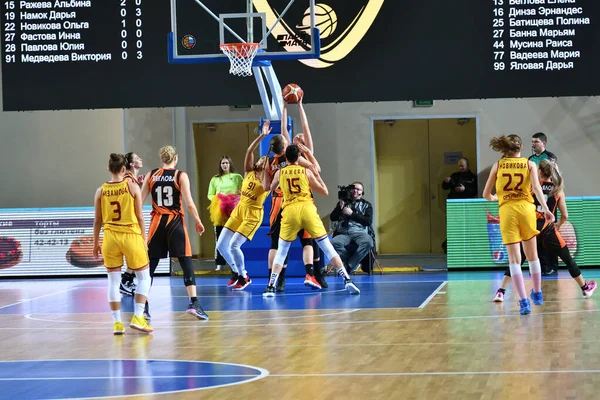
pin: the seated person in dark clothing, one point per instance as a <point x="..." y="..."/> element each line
<point x="351" y="237"/>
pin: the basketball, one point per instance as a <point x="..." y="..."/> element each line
<point x="325" y="20"/>
<point x="292" y="93"/>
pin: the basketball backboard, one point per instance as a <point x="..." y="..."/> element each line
<point x="285" y="29"/>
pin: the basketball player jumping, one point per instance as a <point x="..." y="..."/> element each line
<point x="279" y="144"/>
<point x="299" y="212"/>
<point x="247" y="216"/>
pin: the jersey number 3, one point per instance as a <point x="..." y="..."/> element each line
<point x="517" y="186"/>
<point x="164" y="196"/>
<point x="116" y="210"/>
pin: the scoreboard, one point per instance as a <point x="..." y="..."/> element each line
<point x="86" y="54"/>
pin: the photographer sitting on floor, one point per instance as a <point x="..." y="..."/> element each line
<point x="354" y="215"/>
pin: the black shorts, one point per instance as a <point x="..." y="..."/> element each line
<point x="168" y="235"/>
<point x="551" y="240"/>
<point x="304" y="237"/>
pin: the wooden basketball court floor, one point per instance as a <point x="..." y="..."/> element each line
<point x="406" y="336"/>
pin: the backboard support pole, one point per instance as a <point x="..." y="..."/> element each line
<point x="271" y="99"/>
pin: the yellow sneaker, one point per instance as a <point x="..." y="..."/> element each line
<point x="140" y="324"/>
<point x="118" y="328"/>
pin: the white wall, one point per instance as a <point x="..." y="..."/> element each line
<point x="343" y="134"/>
<point x="56" y="158"/>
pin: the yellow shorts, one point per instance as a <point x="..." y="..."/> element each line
<point x="297" y="216"/>
<point x="245" y="221"/>
<point x="517" y="222"/>
<point x="115" y="245"/>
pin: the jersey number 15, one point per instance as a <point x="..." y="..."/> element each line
<point x="293" y="185"/>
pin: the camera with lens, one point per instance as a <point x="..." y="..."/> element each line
<point x="345" y="193"/>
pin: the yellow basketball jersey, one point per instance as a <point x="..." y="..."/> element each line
<point x="294" y="184"/>
<point x="253" y="193"/>
<point x="118" y="208"/>
<point x="513" y="181"/>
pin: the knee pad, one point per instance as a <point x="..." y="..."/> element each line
<point x="188" y="271"/>
<point x="282" y="252"/>
<point x="325" y="245"/>
<point x="224" y="239"/>
<point x="114" y="280"/>
<point x="515" y="269"/>
<point x="274" y="242"/>
<point x="535" y="267"/>
<point x="144" y="282"/>
<point x="306" y="242"/>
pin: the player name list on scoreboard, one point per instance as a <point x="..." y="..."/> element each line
<point x="73" y="31"/>
<point x="538" y="34"/>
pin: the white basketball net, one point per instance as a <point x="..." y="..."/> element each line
<point x="241" y="56"/>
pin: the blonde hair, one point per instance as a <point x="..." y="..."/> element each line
<point x="167" y="154"/>
<point x="549" y="169"/>
<point x="507" y="145"/>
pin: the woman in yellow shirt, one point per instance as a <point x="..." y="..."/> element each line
<point x="223" y="193"/>
<point x="514" y="178"/>
<point x="247" y="216"/>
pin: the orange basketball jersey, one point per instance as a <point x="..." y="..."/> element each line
<point x="165" y="191"/>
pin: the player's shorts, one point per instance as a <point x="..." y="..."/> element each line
<point x="303" y="235"/>
<point x="551" y="239"/>
<point x="302" y="215"/>
<point x="275" y="213"/>
<point x="167" y="235"/>
<point x="115" y="245"/>
<point x="245" y="221"/>
<point x="517" y="222"/>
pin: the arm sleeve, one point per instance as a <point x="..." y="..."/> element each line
<point x="239" y="180"/>
<point x="552" y="156"/>
<point x="365" y="219"/>
<point x="212" y="188"/>
<point x="471" y="189"/>
<point x="451" y="184"/>
<point x="335" y="214"/>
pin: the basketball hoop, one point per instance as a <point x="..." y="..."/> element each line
<point x="241" y="56"/>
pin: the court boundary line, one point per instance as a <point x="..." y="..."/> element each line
<point x="205" y="326"/>
<point x="263" y="374"/>
<point x="432" y="295"/>
<point x="37" y="298"/>
<point x="396" y="374"/>
<point x="174" y="323"/>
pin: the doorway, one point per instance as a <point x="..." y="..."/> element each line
<point x="211" y="142"/>
<point x="412" y="158"/>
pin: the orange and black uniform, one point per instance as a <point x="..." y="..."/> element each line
<point x="167" y="232"/>
<point x="129" y="175"/>
<point x="277" y="163"/>
<point x="549" y="238"/>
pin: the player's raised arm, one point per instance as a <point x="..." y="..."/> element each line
<point x="316" y="183"/>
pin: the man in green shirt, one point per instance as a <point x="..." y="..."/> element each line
<point x="548" y="261"/>
<point x="538" y="145"/>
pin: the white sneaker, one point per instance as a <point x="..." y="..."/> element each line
<point x="499" y="298"/>
<point x="351" y="287"/>
<point x="218" y="268"/>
